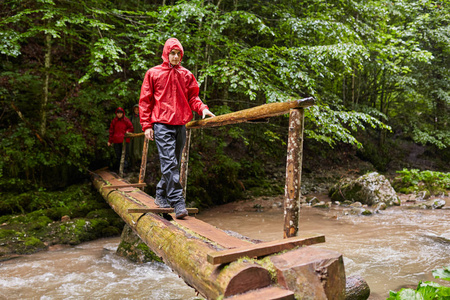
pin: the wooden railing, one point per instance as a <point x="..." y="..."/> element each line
<point x="294" y="150"/>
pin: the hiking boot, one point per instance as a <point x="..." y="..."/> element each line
<point x="162" y="202"/>
<point x="180" y="211"/>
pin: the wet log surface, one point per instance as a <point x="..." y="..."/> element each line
<point x="180" y="249"/>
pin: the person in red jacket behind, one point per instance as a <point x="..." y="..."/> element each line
<point x="169" y="94"/>
<point x="119" y="126"/>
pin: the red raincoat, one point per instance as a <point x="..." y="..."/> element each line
<point x="119" y="127"/>
<point x="169" y="93"/>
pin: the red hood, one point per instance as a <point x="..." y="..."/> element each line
<point x="170" y="44"/>
<point x="120" y="109"/>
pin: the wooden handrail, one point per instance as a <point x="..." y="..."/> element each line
<point x="254" y="113"/>
<point x="249" y="114"/>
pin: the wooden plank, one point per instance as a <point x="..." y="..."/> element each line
<point x="144" y="198"/>
<point x="118" y="186"/>
<point x="268" y="293"/>
<point x="106" y="175"/>
<point x="213" y="233"/>
<point x="206" y="230"/>
<point x="263" y="249"/>
<point x="159" y="210"/>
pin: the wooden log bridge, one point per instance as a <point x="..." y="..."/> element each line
<point x="219" y="265"/>
<point x="294" y="152"/>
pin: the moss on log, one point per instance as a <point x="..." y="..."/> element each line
<point x="184" y="253"/>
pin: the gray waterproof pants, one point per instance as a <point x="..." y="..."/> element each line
<point x="170" y="140"/>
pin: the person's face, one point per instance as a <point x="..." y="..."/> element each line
<point x="119" y="114"/>
<point x="175" y="57"/>
<point x="136" y="110"/>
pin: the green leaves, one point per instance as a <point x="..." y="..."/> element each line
<point x="414" y="180"/>
<point x="332" y="126"/>
<point x="425" y="290"/>
<point x="442" y="273"/>
<point x="104" y="59"/>
<point x="9" y="45"/>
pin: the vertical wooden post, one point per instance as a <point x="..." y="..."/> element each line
<point x="122" y="158"/>
<point x="185" y="162"/>
<point x="143" y="161"/>
<point x="292" y="190"/>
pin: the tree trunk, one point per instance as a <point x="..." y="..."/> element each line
<point x="48" y="45"/>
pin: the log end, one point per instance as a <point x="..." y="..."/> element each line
<point x="250" y="278"/>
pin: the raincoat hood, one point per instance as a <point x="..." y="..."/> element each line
<point x="120" y="109"/>
<point x="170" y="44"/>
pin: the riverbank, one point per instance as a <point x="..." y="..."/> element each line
<point x="70" y="217"/>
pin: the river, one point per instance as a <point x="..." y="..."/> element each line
<point x="390" y="250"/>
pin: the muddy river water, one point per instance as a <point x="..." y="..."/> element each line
<point x="390" y="250"/>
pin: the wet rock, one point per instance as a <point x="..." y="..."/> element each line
<point x="356" y="204"/>
<point x="422" y="195"/>
<point x="360" y="211"/>
<point x="277" y="205"/>
<point x="430" y="204"/>
<point x="366" y="212"/>
<point x="312" y="200"/>
<point x="445" y="236"/>
<point x="379" y="206"/>
<point x="65" y="218"/>
<point x="322" y="204"/>
<point x="356" y="288"/>
<point x="368" y="189"/>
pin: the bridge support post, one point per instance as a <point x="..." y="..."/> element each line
<point x="122" y="158"/>
<point x="143" y="161"/>
<point x="292" y="189"/>
<point x="184" y="162"/>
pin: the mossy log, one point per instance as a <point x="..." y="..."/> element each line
<point x="186" y="254"/>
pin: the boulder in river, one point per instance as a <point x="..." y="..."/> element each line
<point x="370" y="189"/>
<point x="356" y="288"/>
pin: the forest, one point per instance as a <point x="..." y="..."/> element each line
<point x="379" y="71"/>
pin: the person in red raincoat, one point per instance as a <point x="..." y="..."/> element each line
<point x="119" y="126"/>
<point x="169" y="94"/>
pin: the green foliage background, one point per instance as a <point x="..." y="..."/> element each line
<point x="379" y="71"/>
